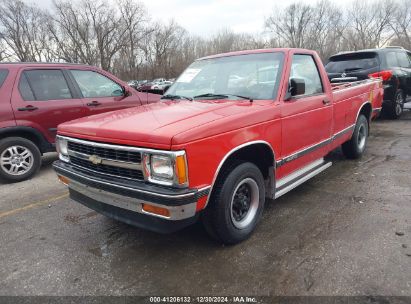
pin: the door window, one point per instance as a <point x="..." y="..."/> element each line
<point x="93" y="84"/>
<point x="403" y="60"/>
<point x="392" y="59"/>
<point x="3" y="76"/>
<point x="43" y="85"/>
<point x="24" y="89"/>
<point x="304" y="67"/>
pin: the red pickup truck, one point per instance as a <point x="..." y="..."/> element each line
<point x="233" y="130"/>
<point x="36" y="97"/>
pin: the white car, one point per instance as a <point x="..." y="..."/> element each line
<point x="161" y="85"/>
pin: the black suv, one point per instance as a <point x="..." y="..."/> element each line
<point x="392" y="64"/>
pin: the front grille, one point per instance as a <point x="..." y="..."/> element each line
<point x="115" y="171"/>
<point x="115" y="153"/>
<point x="121" y="155"/>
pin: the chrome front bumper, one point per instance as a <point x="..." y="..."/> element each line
<point x="132" y="204"/>
<point x="123" y="200"/>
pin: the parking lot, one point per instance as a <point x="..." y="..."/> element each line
<point x="345" y="232"/>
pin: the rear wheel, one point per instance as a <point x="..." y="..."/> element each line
<point x="236" y="203"/>
<point x="355" y="147"/>
<point x="396" y="107"/>
<point x="20" y="159"/>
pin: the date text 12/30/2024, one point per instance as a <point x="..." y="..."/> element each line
<point x="207" y="299"/>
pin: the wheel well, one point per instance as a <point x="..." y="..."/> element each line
<point x="366" y="110"/>
<point x="26" y="133"/>
<point x="404" y="92"/>
<point x="259" y="154"/>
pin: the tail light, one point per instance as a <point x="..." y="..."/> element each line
<point x="384" y="75"/>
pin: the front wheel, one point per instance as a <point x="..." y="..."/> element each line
<point x="20" y="159"/>
<point x="236" y="203"/>
<point x="355" y="147"/>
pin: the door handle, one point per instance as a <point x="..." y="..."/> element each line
<point x="94" y="104"/>
<point x="28" y="108"/>
<point x="326" y="101"/>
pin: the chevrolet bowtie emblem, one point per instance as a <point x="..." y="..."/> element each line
<point x="95" y="159"/>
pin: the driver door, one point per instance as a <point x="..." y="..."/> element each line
<point x="307" y="118"/>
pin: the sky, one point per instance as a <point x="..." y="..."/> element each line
<point x="206" y="17"/>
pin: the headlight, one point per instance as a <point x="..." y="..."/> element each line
<point x="168" y="169"/>
<point x="62" y="148"/>
<point x="162" y="167"/>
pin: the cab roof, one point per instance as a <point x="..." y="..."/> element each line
<point x="258" y="51"/>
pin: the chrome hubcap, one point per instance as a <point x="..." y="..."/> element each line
<point x="399" y="104"/>
<point x="244" y="203"/>
<point x="16" y="160"/>
<point x="362" y="136"/>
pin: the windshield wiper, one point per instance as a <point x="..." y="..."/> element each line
<point x="174" y="97"/>
<point x="217" y="96"/>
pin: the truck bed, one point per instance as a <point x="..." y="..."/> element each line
<point x="345" y="85"/>
<point x="350" y="96"/>
<point x="351" y="90"/>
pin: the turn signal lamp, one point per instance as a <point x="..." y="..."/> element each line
<point x="156" y="210"/>
<point x="64" y="180"/>
<point x="181" y="169"/>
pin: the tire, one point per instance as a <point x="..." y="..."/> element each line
<point x="355" y="147"/>
<point x="394" y="109"/>
<point x="20" y="159"/>
<point x="227" y="218"/>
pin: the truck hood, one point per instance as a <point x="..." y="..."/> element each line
<point x="156" y="124"/>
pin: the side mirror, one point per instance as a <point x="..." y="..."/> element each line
<point x="121" y="93"/>
<point x="118" y="93"/>
<point x="125" y="92"/>
<point x="295" y="88"/>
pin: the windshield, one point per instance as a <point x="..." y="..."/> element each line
<point x="256" y="76"/>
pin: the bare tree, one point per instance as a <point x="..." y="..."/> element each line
<point x="223" y="41"/>
<point x="23" y="31"/>
<point x="91" y="32"/>
<point x="164" y="48"/>
<point x="4" y="50"/>
<point x="369" y="23"/>
<point x="227" y="40"/>
<point x="72" y="33"/>
<point x="326" y="29"/>
<point x="291" y="25"/>
<point x="120" y="37"/>
<point x="401" y="24"/>
<point x="135" y="21"/>
<point x="110" y="32"/>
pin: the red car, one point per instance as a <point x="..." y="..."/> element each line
<point x="36" y="97"/>
<point x="145" y="87"/>
<point x="215" y="149"/>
